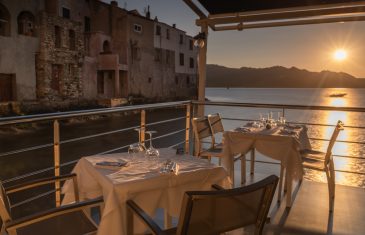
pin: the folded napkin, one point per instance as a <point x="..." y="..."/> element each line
<point x="293" y="126"/>
<point x="243" y="129"/>
<point x="287" y="132"/>
<point x="111" y="164"/>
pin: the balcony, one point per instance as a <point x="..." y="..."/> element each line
<point x="74" y="138"/>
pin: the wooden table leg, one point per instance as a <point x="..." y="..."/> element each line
<point x="243" y="169"/>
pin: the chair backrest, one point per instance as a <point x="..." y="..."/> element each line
<point x="4" y="205"/>
<point x="216" y="125"/>
<point x="338" y="128"/>
<point x="202" y="130"/>
<point x="215" y="122"/>
<point x="215" y="212"/>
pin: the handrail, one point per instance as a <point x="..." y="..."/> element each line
<point x="280" y="106"/>
<point x="84" y="113"/>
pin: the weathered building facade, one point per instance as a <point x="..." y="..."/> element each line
<point x="62" y="50"/>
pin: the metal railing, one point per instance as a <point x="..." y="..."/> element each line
<point x="188" y="105"/>
<point x="57" y="117"/>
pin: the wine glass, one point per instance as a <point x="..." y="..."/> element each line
<point x="151" y="153"/>
<point x="136" y="148"/>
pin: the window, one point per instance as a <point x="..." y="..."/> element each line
<point x="4" y="21"/>
<point x="58" y="32"/>
<point x="191" y="62"/>
<point x="158" y="54"/>
<point x="87" y="26"/>
<point x="26" y="23"/>
<point x="72" y="39"/>
<point x="100" y="82"/>
<point x="7" y="87"/>
<point x="106" y="47"/>
<point x="181" y="59"/>
<point x="137" y="28"/>
<point x="168" y="34"/>
<point x="187" y="80"/>
<point x="191" y="44"/>
<point x="181" y="39"/>
<point x="176" y="80"/>
<point x="56" y="77"/>
<point x="158" y="30"/>
<point x="149" y="80"/>
<point x="66" y="13"/>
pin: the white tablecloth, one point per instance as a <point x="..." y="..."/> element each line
<point x="279" y="143"/>
<point x="142" y="183"/>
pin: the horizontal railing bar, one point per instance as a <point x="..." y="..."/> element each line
<point x="277" y="163"/>
<point x="26" y="150"/>
<point x="165" y="121"/>
<point x="280" y="106"/>
<point x="340" y="141"/>
<point x="83" y="138"/>
<point x="351" y="157"/>
<point x="75" y="161"/>
<point x="351" y="172"/>
<point x="32" y="198"/>
<point x="97" y="135"/>
<point x="299" y="123"/>
<point x="182" y="142"/>
<point x="113" y="150"/>
<point x="84" y="113"/>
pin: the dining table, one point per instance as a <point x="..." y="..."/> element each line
<point x="281" y="142"/>
<point x="142" y="181"/>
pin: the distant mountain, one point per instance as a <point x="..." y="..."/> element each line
<point x="278" y="76"/>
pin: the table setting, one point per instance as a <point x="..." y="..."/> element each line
<point x="156" y="180"/>
<point x="275" y="139"/>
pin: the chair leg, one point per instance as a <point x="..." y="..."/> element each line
<point x="252" y="161"/>
<point x="330" y="191"/>
<point x="280" y="182"/>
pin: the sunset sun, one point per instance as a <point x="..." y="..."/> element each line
<point x="340" y="55"/>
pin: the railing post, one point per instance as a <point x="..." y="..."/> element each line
<point x="143" y="126"/>
<point x="56" y="156"/>
<point x="187" y="130"/>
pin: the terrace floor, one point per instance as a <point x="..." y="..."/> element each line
<point x="309" y="213"/>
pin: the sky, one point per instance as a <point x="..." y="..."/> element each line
<point x="306" y="47"/>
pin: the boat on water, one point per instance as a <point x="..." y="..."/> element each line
<point x="340" y="94"/>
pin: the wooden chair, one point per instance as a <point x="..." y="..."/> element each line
<point x="216" y="126"/>
<point x="321" y="161"/>
<point x="68" y="219"/>
<point x="216" y="212"/>
<point x="202" y="130"/>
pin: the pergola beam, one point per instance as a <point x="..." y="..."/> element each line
<point x="290" y="23"/>
<point x="248" y="17"/>
<point x="195" y="8"/>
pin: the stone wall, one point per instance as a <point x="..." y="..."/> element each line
<point x="68" y="59"/>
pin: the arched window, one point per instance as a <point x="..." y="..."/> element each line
<point x="4" y="21"/>
<point x="106" y="47"/>
<point x="26" y="23"/>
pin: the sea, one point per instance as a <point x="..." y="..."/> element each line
<point x="349" y="156"/>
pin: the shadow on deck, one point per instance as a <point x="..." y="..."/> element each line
<point x="309" y="213"/>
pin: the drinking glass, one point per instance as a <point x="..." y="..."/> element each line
<point x="136" y="148"/>
<point x="152" y="153"/>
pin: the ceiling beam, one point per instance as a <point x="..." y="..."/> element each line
<point x="245" y="17"/>
<point x="290" y="23"/>
<point x="195" y="8"/>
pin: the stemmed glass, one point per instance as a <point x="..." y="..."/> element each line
<point x="151" y="152"/>
<point x="136" y="148"/>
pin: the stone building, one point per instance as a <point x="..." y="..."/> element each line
<point x="19" y="43"/>
<point x="65" y="50"/>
